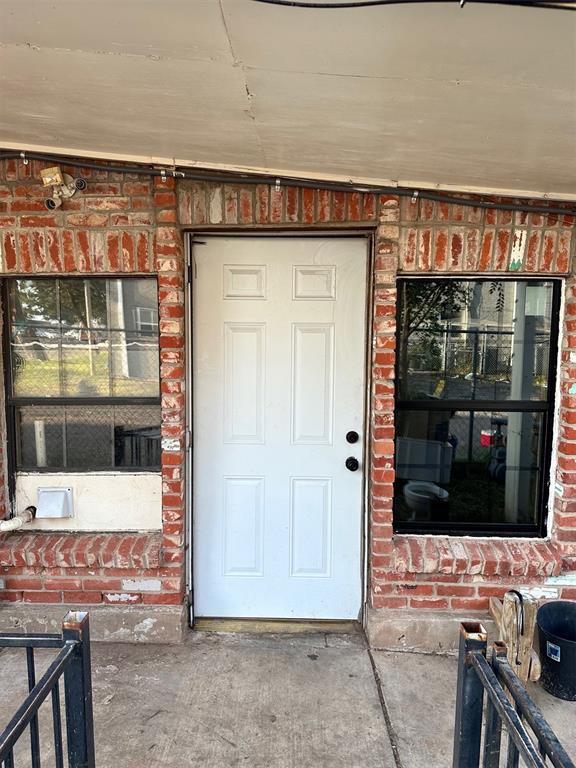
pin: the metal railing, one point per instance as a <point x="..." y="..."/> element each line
<point x="73" y="664"/>
<point x="508" y="707"/>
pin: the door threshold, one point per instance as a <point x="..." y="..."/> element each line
<point x="277" y="626"/>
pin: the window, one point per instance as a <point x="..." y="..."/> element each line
<point x="474" y="411"/>
<point x="83" y="375"/>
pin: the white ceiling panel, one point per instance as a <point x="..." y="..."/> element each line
<point x="482" y="97"/>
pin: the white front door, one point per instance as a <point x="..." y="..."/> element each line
<point x="279" y="367"/>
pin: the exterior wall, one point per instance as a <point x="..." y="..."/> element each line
<point x="419" y="237"/>
<point x="123" y="223"/>
<point x="462" y="573"/>
<point x="103" y="501"/>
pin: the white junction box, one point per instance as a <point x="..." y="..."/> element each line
<point x="54" y="502"/>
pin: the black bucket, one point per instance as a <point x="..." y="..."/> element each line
<point x="557" y="638"/>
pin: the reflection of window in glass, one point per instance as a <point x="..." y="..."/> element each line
<point x="474" y="408"/>
<point x="78" y="339"/>
<point x="146" y="319"/>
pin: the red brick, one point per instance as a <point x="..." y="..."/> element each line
<point x="23" y="582"/>
<point x="308" y="212"/>
<point x="455" y="590"/>
<point x="42" y="597"/>
<point x="456" y="248"/>
<point x="10" y="253"/>
<point x="276" y="204"/>
<point x="469" y="603"/>
<point x="548" y="251"/>
<point x="410" y="250"/>
<point x="162" y="599"/>
<point x="440" y="249"/>
<point x="11" y="597"/>
<point x="502" y="248"/>
<point x="338" y="206"/>
<point x="101" y="584"/>
<point x="431" y="603"/>
<point x="262" y="203"/>
<point x="246" y="206"/>
<point x="79" y="597"/>
<point x="323" y="205"/>
<point x="59" y="585"/>
<point x="486" y="251"/>
<point x="563" y="252"/>
<point x="369" y="207"/>
<point x="39" y="221"/>
<point x="425" y="236"/>
<point x="292" y="195"/>
<point x="354" y="206"/>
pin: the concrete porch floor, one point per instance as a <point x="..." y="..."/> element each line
<point x="267" y="701"/>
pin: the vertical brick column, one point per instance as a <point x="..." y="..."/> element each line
<point x="383" y="375"/>
<point x="170" y="265"/>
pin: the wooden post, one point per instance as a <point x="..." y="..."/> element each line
<point x="516" y="621"/>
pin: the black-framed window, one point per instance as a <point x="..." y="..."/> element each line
<point x="82" y="373"/>
<point x="474" y="405"/>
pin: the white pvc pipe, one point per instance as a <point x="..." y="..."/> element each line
<point x="16" y="522"/>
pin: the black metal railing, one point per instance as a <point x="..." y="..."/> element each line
<point x="509" y="707"/>
<point x="73" y="664"/>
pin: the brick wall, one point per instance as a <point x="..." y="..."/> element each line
<point x="435" y="572"/>
<point x="129" y="223"/>
<point x="416" y="236"/>
<point x="123" y="223"/>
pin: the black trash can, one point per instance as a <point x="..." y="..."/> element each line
<point x="557" y="639"/>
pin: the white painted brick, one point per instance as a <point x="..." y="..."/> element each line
<point x="2" y="582"/>
<point x="546" y="593"/>
<point x="120" y="598"/>
<point x="564" y="580"/>
<point x="141" y="585"/>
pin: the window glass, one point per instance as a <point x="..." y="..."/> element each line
<point x="83" y="303"/>
<point x="40" y="437"/>
<point x="35" y="361"/>
<point x="73" y="437"/>
<point x="468" y="467"/>
<point x="134" y="358"/>
<point x="33" y="302"/>
<point x="85" y="363"/>
<point x="466" y="340"/>
<point x="474" y="405"/>
<point x="95" y="339"/>
<point x="84" y="338"/>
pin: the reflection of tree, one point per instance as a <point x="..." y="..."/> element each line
<point x="63" y="301"/>
<point x="423" y="305"/>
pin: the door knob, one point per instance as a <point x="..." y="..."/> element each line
<point x="352" y="463"/>
<point x="352" y="437"/>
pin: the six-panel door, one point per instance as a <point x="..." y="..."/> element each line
<point x="279" y="366"/>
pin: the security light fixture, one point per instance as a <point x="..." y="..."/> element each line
<point x="63" y="186"/>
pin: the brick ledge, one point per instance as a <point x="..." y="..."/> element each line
<point x="486" y="557"/>
<point x="81" y="550"/>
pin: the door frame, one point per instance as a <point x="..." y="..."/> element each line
<point x="192" y="238"/>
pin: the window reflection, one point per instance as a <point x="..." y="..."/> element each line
<point x="468" y="466"/>
<point x="84" y="338"/>
<point x="483" y="340"/>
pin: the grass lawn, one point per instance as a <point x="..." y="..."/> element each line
<point x="39" y="373"/>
